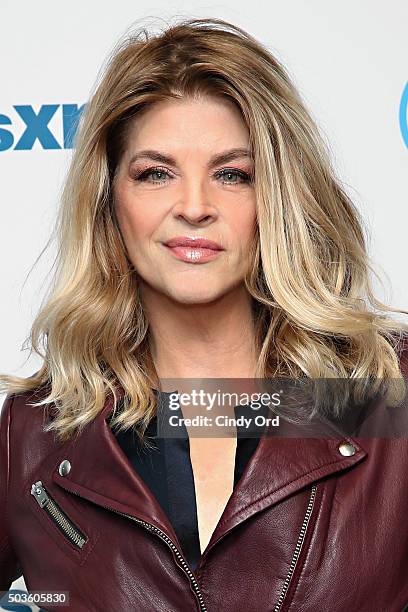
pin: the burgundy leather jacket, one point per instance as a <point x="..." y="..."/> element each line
<point x="314" y="524"/>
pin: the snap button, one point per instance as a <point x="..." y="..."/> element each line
<point x="64" y="467"/>
<point x="347" y="449"/>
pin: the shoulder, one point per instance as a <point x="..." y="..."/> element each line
<point x="22" y="424"/>
<point x="20" y="407"/>
<point x="25" y="445"/>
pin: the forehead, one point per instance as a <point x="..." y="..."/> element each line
<point x="178" y="124"/>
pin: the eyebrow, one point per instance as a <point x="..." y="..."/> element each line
<point x="219" y="158"/>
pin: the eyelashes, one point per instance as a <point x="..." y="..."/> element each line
<point x="144" y="177"/>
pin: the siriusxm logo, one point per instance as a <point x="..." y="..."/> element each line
<point x="36" y="127"/>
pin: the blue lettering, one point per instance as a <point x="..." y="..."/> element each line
<point x="71" y="115"/>
<point x="37" y="127"/>
<point x="6" y="137"/>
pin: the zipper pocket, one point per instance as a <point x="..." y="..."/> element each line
<point x="298" y="548"/>
<point x="57" y="515"/>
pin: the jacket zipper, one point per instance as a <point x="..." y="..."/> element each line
<point x="298" y="549"/>
<point x="170" y="543"/>
<point x="48" y="503"/>
<point x="78" y="538"/>
<point x="59" y="517"/>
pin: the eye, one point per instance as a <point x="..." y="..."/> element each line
<point x="161" y="172"/>
<point x="238" y="176"/>
<point x="235" y="174"/>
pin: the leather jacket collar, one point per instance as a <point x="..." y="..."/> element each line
<point x="99" y="471"/>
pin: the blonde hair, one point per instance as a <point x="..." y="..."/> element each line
<point x="315" y="312"/>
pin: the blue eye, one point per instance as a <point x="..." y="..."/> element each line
<point x="246" y="178"/>
<point x="164" y="174"/>
<point x="144" y="175"/>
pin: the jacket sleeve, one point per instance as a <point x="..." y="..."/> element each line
<point x="10" y="568"/>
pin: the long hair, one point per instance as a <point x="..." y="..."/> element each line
<point x="313" y="305"/>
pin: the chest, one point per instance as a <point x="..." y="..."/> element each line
<point x="213" y="465"/>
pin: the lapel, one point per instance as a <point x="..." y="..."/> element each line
<point x="101" y="473"/>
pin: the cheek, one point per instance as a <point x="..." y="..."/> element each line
<point x="244" y="224"/>
<point x="134" y="223"/>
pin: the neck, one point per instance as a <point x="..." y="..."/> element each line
<point x="211" y="340"/>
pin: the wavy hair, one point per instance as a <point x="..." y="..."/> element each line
<point x="315" y="312"/>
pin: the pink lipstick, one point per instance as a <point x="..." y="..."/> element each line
<point x="193" y="249"/>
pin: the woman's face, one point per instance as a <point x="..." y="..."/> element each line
<point x="179" y="189"/>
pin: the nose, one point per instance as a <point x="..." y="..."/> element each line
<point x="194" y="204"/>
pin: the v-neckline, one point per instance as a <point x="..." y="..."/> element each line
<point x="167" y="471"/>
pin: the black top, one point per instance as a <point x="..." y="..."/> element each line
<point x="166" y="469"/>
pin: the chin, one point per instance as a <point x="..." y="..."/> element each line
<point x="195" y="297"/>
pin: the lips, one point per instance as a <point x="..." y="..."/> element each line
<point x="198" y="243"/>
<point x="193" y="249"/>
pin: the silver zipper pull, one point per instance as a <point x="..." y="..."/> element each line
<point x="39" y="493"/>
<point x="53" y="509"/>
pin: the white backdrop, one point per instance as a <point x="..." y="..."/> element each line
<point x="348" y="59"/>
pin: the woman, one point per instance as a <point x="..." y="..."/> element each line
<point x="203" y="235"/>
